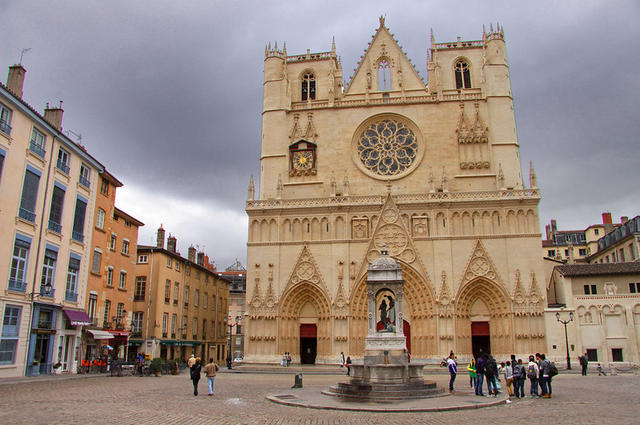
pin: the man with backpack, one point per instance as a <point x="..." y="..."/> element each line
<point x="532" y="374"/>
<point x="545" y="371"/>
<point x="480" y="363"/>
<point x="584" y="362"/>
<point x="491" y="372"/>
<point x="519" y="377"/>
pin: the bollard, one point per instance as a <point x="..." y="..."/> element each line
<point x="298" y="381"/>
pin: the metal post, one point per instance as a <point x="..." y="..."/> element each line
<point x="566" y="338"/>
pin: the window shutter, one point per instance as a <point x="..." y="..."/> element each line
<point x="78" y="222"/>
<point x="97" y="257"/>
<point x="29" y="191"/>
<point x="57" y="201"/>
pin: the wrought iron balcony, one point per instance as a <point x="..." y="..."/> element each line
<point x="37" y="149"/>
<point x="138" y="298"/>
<point x="25" y="214"/>
<point x="5" y="127"/>
<point x="63" y="166"/>
<point x="85" y="182"/>
<point x="78" y="236"/>
<point x="17" y="285"/>
<point x="71" y="296"/>
<point x="55" y="227"/>
<point x="47" y="293"/>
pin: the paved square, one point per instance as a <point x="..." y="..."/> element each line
<point x="240" y="399"/>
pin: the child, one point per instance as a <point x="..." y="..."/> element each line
<point x="471" y="367"/>
<point x="601" y="370"/>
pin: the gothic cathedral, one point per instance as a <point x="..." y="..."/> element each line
<point x="430" y="170"/>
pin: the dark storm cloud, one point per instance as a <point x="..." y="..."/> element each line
<point x="168" y="95"/>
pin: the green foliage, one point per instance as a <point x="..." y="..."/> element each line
<point x="156" y="365"/>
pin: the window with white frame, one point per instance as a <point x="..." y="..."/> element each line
<point x="169" y="262"/>
<point x="110" y="276"/>
<point x="204" y="300"/>
<point x="100" y="219"/>
<point x="195" y="327"/>
<point x="112" y="242"/>
<point x="120" y="312"/>
<point x="91" y="306"/>
<point x="178" y="266"/>
<point x="196" y="297"/>
<point x="123" y="279"/>
<point x="19" y="259"/>
<point x="48" y="272"/>
<point x="136" y="324"/>
<point x="174" y="323"/>
<point x="10" y="332"/>
<point x="107" y="311"/>
<point x="72" y="280"/>
<point x="85" y="176"/>
<point x="165" y="319"/>
<point x="125" y="247"/>
<point x="176" y="292"/>
<point x="36" y="144"/>
<point x="5" y="119"/>
<point x="141" y="288"/>
<point x="143" y="259"/>
<point x="63" y="161"/>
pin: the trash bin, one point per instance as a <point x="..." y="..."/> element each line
<point x="298" y="381"/>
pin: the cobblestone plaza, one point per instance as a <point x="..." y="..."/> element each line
<point x="240" y="399"/>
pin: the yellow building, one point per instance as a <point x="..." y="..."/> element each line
<point x="110" y="282"/>
<point x="236" y="274"/>
<point x="47" y="202"/>
<point x="431" y="170"/>
<point x="180" y="304"/>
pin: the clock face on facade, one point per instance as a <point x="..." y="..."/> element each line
<point x="303" y="160"/>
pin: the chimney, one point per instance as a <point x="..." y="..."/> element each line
<point x="160" y="240"/>
<point x="192" y="254"/>
<point x="606" y="218"/>
<point x="624" y="219"/>
<point x="201" y="259"/>
<point x="171" y="243"/>
<point x="54" y="116"/>
<point x="15" y="79"/>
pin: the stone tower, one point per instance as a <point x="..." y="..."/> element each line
<point x="431" y="170"/>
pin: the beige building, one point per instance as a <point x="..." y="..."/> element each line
<point x="431" y="170"/>
<point x="180" y="304"/>
<point x="605" y="302"/>
<point x="236" y="274"/>
<point x="47" y="200"/>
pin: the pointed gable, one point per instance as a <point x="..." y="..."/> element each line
<point x="306" y="270"/>
<point x="384" y="47"/>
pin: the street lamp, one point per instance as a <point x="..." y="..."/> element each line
<point x="231" y="326"/>
<point x="566" y="339"/>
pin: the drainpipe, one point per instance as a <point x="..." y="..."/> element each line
<point x="149" y="301"/>
<point x="35" y="272"/>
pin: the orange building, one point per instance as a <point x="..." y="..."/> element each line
<point x="110" y="285"/>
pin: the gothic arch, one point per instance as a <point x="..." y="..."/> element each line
<point x="419" y="302"/>
<point x="498" y="302"/>
<point x="293" y="301"/>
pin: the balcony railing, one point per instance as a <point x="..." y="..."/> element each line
<point x="45" y="293"/>
<point x="44" y="325"/>
<point x="25" y="214"/>
<point x="184" y="336"/>
<point x="175" y="302"/>
<point x="136" y="334"/>
<point x="5" y="127"/>
<point x="195" y="336"/>
<point x="63" y="166"/>
<point x="17" y="285"/>
<point x="85" y="182"/>
<point x="70" y="296"/>
<point x="164" y="334"/>
<point x="55" y="227"/>
<point x="119" y="325"/>
<point x="166" y="300"/>
<point x="173" y="335"/>
<point x="138" y="297"/>
<point x="37" y="149"/>
<point x="78" y="236"/>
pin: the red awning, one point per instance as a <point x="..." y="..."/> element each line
<point x="78" y="317"/>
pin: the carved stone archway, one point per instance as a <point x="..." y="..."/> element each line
<point x="418" y="311"/>
<point x="498" y="302"/>
<point x="294" y="300"/>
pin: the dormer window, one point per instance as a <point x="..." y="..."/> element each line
<point x="308" y="86"/>
<point x="384" y="75"/>
<point x="463" y="76"/>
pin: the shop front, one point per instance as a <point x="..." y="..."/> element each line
<point x="42" y="339"/>
<point x="179" y="350"/>
<point x="119" y="344"/>
<point x="69" y="340"/>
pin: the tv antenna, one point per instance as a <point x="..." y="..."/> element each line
<point x="22" y="52"/>
<point x="77" y="135"/>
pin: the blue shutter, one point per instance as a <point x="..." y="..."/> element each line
<point x="78" y="221"/>
<point x="29" y="191"/>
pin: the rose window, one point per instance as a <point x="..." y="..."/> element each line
<point x="387" y="147"/>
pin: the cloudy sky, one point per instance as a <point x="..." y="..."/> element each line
<point x="167" y="95"/>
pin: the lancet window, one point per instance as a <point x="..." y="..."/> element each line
<point x="384" y="75"/>
<point x="308" y="86"/>
<point x="463" y="75"/>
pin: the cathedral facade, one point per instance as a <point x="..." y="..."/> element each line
<point x="432" y="171"/>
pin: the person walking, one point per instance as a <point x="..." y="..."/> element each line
<point x="348" y="364"/>
<point x="532" y="374"/>
<point x="210" y="370"/>
<point x="191" y="361"/>
<point x="341" y="359"/>
<point x="195" y="375"/>
<point x="480" y="364"/>
<point x="584" y="362"/>
<point x="471" y="367"/>
<point x="453" y="370"/>
<point x="601" y="370"/>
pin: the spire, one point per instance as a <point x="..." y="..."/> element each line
<point x="284" y="49"/>
<point x="381" y="21"/>
<point x="533" y="184"/>
<point x="251" y="189"/>
<point x="333" y="44"/>
<point x="433" y="39"/>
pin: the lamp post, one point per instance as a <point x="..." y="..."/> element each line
<point x="231" y="326"/>
<point x="566" y="339"/>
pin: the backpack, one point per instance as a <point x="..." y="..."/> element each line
<point x="553" y="370"/>
<point x="531" y="372"/>
<point x="491" y="367"/>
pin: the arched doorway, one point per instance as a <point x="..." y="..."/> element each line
<point x="419" y="324"/>
<point x="483" y="318"/>
<point x="304" y="323"/>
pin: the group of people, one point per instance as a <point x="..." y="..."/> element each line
<point x="539" y="371"/>
<point x="195" y="369"/>
<point x="286" y="359"/>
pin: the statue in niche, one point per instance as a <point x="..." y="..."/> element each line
<point x="387" y="312"/>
